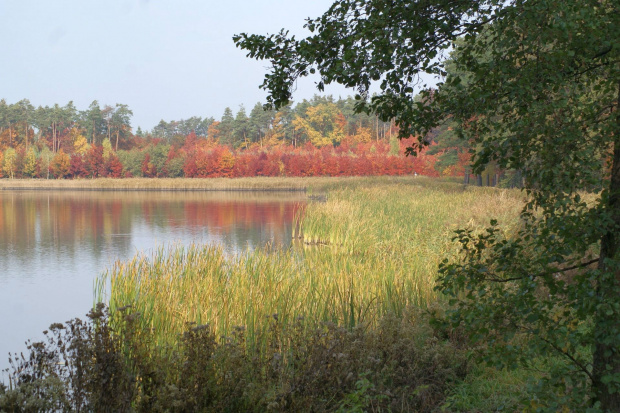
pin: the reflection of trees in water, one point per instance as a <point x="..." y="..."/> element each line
<point x="243" y="224"/>
<point x="35" y="223"/>
<point x="68" y="222"/>
<point x="241" y="237"/>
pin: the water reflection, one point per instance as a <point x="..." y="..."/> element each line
<point x="53" y="244"/>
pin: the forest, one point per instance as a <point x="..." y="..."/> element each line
<point x="318" y="137"/>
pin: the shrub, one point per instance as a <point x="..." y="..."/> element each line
<point x="108" y="364"/>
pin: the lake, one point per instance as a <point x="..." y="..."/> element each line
<point x="54" y="244"/>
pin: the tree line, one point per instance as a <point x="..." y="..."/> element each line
<point x="321" y="120"/>
<point x="320" y="136"/>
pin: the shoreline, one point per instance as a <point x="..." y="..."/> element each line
<point x="153" y="189"/>
<point x="266" y="184"/>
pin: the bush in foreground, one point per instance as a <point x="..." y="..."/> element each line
<point x="107" y="364"/>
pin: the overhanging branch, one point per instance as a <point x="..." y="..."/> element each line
<point x="542" y="274"/>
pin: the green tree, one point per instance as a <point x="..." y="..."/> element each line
<point x="186" y="126"/>
<point x="203" y="127"/>
<point x="226" y="127"/>
<point x="542" y="96"/>
<point x="4" y="115"/>
<point x="132" y="161"/>
<point x="94" y="122"/>
<point x="158" y="155"/>
<point x="121" y="122"/>
<point x="164" y="130"/>
<point x="260" y="122"/>
<point x="447" y="145"/>
<point x="240" y="127"/>
<point x="283" y="123"/>
<point x="26" y="112"/>
<point x="8" y="118"/>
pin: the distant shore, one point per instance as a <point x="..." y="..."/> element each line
<point x="195" y="184"/>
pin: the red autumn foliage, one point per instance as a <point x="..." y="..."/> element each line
<point x="148" y="169"/>
<point x="113" y="167"/>
<point x="93" y="162"/>
<point x="77" y="169"/>
<point x="190" y="169"/>
<point x="206" y="158"/>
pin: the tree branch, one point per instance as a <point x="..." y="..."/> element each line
<point x="570" y="357"/>
<point x="541" y="274"/>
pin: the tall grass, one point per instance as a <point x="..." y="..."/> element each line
<point x="372" y="248"/>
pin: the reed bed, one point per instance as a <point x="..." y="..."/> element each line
<point x="371" y="249"/>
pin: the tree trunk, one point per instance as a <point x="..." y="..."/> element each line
<point x="607" y="355"/>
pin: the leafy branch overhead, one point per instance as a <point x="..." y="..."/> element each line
<point x="358" y="43"/>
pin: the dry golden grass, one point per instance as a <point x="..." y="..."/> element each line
<point x="196" y="184"/>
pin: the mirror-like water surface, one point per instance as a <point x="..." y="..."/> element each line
<point x="54" y="244"/>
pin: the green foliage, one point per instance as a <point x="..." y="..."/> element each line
<point x="358" y="400"/>
<point x="159" y="155"/>
<point x="539" y="102"/>
<point x="174" y="167"/>
<point x="534" y="84"/>
<point x="132" y="161"/>
<point x="488" y="389"/>
<point x="240" y="127"/>
<point x="226" y="127"/>
<point x="446" y="159"/>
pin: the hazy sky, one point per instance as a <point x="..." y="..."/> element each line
<point x="166" y="59"/>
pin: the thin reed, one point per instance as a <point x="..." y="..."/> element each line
<point x="371" y="249"/>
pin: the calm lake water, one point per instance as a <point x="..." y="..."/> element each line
<point x="53" y="245"/>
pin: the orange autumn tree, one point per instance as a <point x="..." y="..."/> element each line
<point x="363" y="135"/>
<point x="61" y="164"/>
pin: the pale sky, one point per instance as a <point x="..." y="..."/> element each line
<point x="166" y="59"/>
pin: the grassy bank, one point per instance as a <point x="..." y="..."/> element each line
<point x="371" y="249"/>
